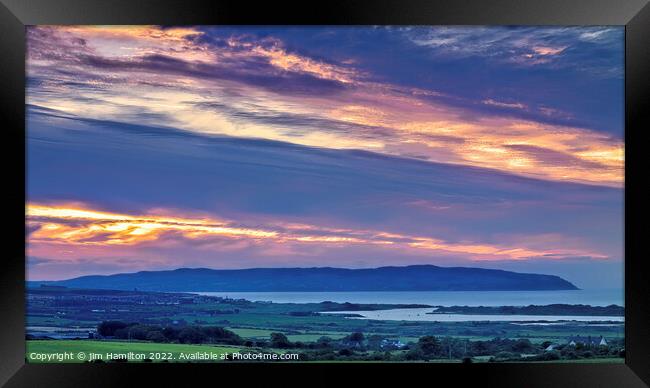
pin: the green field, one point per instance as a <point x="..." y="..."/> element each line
<point x="258" y="334"/>
<point x="245" y="332"/>
<point x="170" y="351"/>
<point x="308" y="336"/>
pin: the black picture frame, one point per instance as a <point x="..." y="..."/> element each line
<point x="16" y="14"/>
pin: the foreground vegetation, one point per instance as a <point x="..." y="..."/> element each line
<point x="425" y="351"/>
<point x="125" y="319"/>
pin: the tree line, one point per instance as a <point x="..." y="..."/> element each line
<point x="358" y="346"/>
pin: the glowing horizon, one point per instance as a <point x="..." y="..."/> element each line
<point x="98" y="228"/>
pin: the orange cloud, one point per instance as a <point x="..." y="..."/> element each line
<point x="445" y="135"/>
<point x="75" y="227"/>
<point x="545" y="50"/>
<point x="278" y="56"/>
<point x="537" y="150"/>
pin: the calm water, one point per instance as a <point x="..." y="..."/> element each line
<point x="421" y="315"/>
<point x="594" y="297"/>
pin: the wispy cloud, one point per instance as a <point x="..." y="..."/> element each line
<point x="524" y="46"/>
<point x="244" y="86"/>
<point x="513" y="105"/>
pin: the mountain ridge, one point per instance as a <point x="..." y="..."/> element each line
<point x="321" y="279"/>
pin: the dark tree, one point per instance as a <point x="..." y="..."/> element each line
<point x="345" y="352"/>
<point x="356" y="337"/>
<point x="156" y="336"/>
<point x="170" y="333"/>
<point x="108" y="328"/>
<point x="279" y="340"/>
<point x="324" y="342"/>
<point x="429" y="345"/>
<point x="190" y="335"/>
<point x="522" y="345"/>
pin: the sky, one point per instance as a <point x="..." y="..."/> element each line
<point x="236" y="147"/>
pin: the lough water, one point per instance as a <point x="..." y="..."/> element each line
<point x="420" y="314"/>
<point x="593" y="297"/>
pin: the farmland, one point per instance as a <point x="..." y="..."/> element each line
<point x="62" y="318"/>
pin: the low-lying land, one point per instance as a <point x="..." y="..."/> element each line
<point x="158" y="322"/>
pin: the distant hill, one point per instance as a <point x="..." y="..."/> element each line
<point x="409" y="278"/>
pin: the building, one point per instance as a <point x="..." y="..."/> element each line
<point x="391" y="344"/>
<point x="587" y="341"/>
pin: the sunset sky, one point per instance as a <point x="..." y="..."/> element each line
<point x="236" y="147"/>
